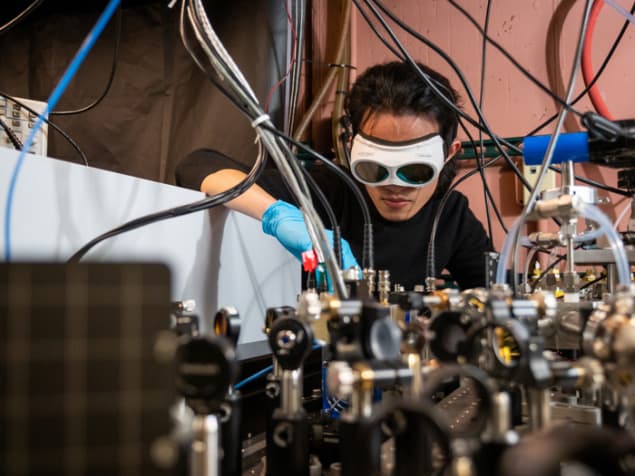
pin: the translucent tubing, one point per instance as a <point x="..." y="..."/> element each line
<point x="508" y="244"/>
<point x="605" y="228"/>
<point x="588" y="235"/>
<point x="621" y="261"/>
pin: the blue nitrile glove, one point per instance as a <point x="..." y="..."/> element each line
<point x="286" y="223"/>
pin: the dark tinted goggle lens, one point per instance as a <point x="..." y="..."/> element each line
<point x="415" y="173"/>
<point x="371" y="172"/>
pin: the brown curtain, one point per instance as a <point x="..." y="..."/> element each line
<point x="160" y="107"/>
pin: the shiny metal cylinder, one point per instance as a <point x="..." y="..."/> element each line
<point x="204" y="451"/>
<point x="413" y="360"/>
<point x="361" y="404"/>
<point x="539" y="402"/>
<point x="500" y="422"/>
<point x="369" y="277"/>
<point x="291" y="391"/>
<point x="383" y="285"/>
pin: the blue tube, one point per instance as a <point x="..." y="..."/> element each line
<point x="571" y="146"/>
<point x="264" y="371"/>
<point x="63" y="83"/>
<point x="253" y="377"/>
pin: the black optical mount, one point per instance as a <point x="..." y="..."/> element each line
<point x="291" y="342"/>
<point x="206" y="367"/>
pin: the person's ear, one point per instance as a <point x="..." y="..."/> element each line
<point x="454" y="149"/>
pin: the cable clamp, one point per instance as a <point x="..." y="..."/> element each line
<point x="259" y="120"/>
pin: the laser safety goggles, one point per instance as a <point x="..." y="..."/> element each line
<point x="413" y="163"/>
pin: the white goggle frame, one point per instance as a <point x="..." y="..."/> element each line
<point x="394" y="156"/>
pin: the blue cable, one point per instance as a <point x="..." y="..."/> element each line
<point x="253" y="377"/>
<point x="63" y="83"/>
<point x="263" y="372"/>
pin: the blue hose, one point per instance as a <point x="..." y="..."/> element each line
<point x="63" y="83"/>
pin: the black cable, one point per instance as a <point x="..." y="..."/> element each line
<point x="200" y="205"/>
<point x="206" y="203"/>
<point x="507" y="55"/>
<point x="481" y="156"/>
<point x="246" y="109"/>
<point x="497" y="141"/>
<point x="53" y="125"/>
<point x="429" y="81"/>
<point x="593" y="183"/>
<point x="242" y="107"/>
<point x="439" y="51"/>
<point x="20" y="16"/>
<point x="412" y="32"/>
<point x="196" y="17"/>
<point x="212" y="76"/>
<point x="481" y="169"/>
<point x="113" y="69"/>
<point x="591" y="283"/>
<point x="579" y="97"/>
<point x="431" y="271"/>
<point x="450" y="62"/>
<point x="368" y="260"/>
<point x="547" y="269"/>
<point x="337" y="234"/>
<point x="595" y="78"/>
<point x="529" y="207"/>
<point x="381" y="38"/>
<point x="426" y="78"/>
<point x="15" y="140"/>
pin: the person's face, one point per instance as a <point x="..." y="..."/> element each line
<point x="394" y="202"/>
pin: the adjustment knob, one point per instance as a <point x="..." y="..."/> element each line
<point x="205" y="366"/>
<point x="290" y="341"/>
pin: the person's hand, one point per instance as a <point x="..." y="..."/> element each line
<point x="286" y="222"/>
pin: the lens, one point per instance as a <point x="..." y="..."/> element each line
<point x="371" y="172"/>
<point x="416" y="173"/>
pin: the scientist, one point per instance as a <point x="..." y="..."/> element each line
<point x="402" y="149"/>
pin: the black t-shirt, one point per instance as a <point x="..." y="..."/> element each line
<point x="401" y="247"/>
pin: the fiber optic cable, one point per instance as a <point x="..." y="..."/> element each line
<point x="63" y="83"/>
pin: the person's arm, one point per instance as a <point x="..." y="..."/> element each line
<point x="254" y="202"/>
<point x="279" y="219"/>
<point x="213" y="173"/>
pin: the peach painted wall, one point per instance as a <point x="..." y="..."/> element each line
<point x="513" y="105"/>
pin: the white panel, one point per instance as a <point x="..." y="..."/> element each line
<point x="219" y="258"/>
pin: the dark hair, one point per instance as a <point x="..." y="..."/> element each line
<point x="397" y="88"/>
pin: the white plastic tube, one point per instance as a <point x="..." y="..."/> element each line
<point x="589" y="235"/>
<point x="507" y="248"/>
<point x="621" y="261"/>
<point x="605" y="228"/>
<point x="622" y="214"/>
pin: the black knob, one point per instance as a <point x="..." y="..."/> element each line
<point x="407" y="300"/>
<point x="206" y="366"/>
<point x="291" y="341"/>
<point x="450" y="334"/>
<point x="275" y="313"/>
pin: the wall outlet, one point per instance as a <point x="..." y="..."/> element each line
<point x="21" y="122"/>
<point x="530" y="172"/>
